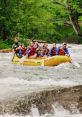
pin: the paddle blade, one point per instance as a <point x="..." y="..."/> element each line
<point x="12" y="56"/>
<point x="22" y="59"/>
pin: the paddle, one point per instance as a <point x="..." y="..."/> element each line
<point x="13" y="56"/>
<point x="22" y="59"/>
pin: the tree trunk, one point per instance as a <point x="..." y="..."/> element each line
<point x="75" y="25"/>
<point x="73" y="16"/>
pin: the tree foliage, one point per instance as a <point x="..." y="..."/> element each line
<point x="50" y="20"/>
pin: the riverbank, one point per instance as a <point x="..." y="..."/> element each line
<point x="5" y="50"/>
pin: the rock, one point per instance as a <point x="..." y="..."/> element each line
<point x="69" y="98"/>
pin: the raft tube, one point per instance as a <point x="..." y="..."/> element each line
<point x="50" y="61"/>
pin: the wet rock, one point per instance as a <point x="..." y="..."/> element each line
<point x="69" y="98"/>
<point x="80" y="103"/>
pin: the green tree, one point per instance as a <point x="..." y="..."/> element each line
<point x="49" y="20"/>
<point x="74" y="11"/>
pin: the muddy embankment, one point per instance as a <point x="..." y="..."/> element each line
<point x="5" y="50"/>
<point x="69" y="98"/>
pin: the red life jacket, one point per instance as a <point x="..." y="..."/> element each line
<point x="32" y="52"/>
<point x="53" y="51"/>
<point x="61" y="51"/>
<point x="23" y="51"/>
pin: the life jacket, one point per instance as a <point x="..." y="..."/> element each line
<point x="53" y="51"/>
<point x="23" y="51"/>
<point x="15" y="46"/>
<point x="39" y="55"/>
<point x="19" y="54"/>
<point x="45" y="51"/>
<point x="19" y="51"/>
<point x="61" y="51"/>
<point x="32" y="52"/>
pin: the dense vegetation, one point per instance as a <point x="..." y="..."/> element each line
<point x="50" y="20"/>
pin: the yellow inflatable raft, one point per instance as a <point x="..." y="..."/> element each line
<point x="50" y="61"/>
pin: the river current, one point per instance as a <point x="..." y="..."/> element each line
<point x="23" y="89"/>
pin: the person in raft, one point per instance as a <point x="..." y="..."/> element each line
<point x="18" y="48"/>
<point x="16" y="45"/>
<point x="45" y="50"/>
<point x="53" y="50"/>
<point x="63" y="50"/>
<point x="40" y="52"/>
<point x="22" y="50"/>
<point x="31" y="50"/>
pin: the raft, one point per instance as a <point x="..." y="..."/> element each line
<point x="50" y="61"/>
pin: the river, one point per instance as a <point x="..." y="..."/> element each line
<point x="41" y="91"/>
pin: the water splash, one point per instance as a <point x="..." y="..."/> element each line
<point x="16" y="79"/>
<point x="76" y="64"/>
<point x="59" y="110"/>
<point x="34" y="111"/>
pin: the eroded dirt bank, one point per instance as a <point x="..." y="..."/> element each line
<point x="5" y="50"/>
